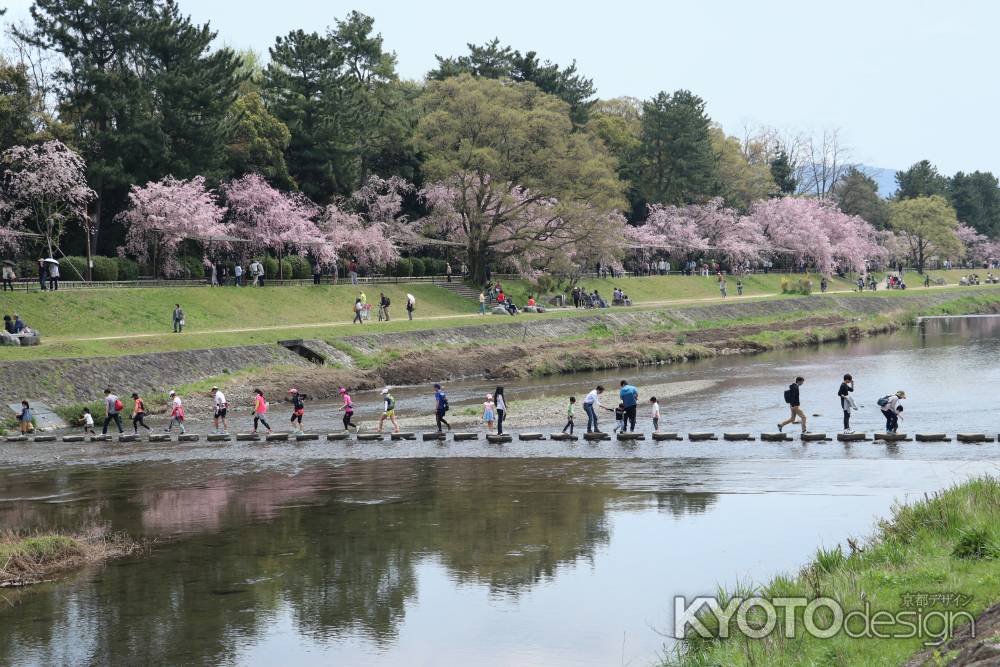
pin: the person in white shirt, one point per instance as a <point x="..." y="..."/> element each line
<point x="220" y="410"/>
<point x="53" y="276"/>
<point x="592" y="401"/>
<point x="238" y="272"/>
<point x="176" y="412"/>
<point x="655" y="413"/>
<point x="891" y="411"/>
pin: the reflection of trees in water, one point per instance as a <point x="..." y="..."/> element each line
<point x="345" y="564"/>
<point x="683" y="503"/>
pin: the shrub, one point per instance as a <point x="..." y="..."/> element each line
<point x="796" y="286"/>
<point x="66" y="266"/>
<point x="191" y="268"/>
<point x="975" y="544"/>
<point x="128" y="269"/>
<point x="105" y="268"/>
<point x="435" y="267"/>
<point x="287" y="272"/>
<point x="301" y="268"/>
<point x="419" y="268"/>
<point x="270" y="267"/>
<point x="403" y="268"/>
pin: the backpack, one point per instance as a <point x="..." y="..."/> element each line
<point x="390" y="401"/>
<point x="387" y="302"/>
<point x="788" y="396"/>
<point x="119" y="406"/>
<point x="882" y="402"/>
<point x="444" y="404"/>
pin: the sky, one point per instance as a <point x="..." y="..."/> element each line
<point x="903" y="80"/>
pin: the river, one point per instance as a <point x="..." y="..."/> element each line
<point x="528" y="554"/>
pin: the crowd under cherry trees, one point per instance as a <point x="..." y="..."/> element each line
<point x="44" y="187"/>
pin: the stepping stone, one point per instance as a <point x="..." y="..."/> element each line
<point x="436" y="435"/>
<point x="160" y="437"/>
<point x="276" y="437"/>
<point x="16" y="438"/>
<point x="73" y="438"/>
<point x="100" y="438"/>
<point x="460" y="436"/>
<point x="247" y="437"/>
<point x="499" y="439"/>
<point x="404" y="435"/>
<point x="188" y="437"/>
<point x="630" y="437"/>
<point x="45" y="438"/>
<point x="218" y="437"/>
<point x="531" y="436"/>
<point x="660" y="436"/>
<point x="563" y="436"/>
<point x="815" y="437"/>
<point x="369" y="436"/>
<point x="339" y="435"/>
<point x="775" y="437"/>
<point x="128" y="438"/>
<point x="596" y="436"/>
<point x="932" y="437"/>
<point x="736" y="437"/>
<point x="852" y="437"/>
<point x="700" y="437"/>
<point x="306" y="436"/>
<point x="973" y="437"/>
<point x="893" y="437"/>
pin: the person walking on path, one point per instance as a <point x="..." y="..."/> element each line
<point x="298" y="410"/>
<point x="655" y="413"/>
<point x="238" y="274"/>
<point x="53" y="276"/>
<point x="489" y="412"/>
<point x="259" y="410"/>
<point x="138" y="414"/>
<point x="352" y="271"/>
<point x="388" y="411"/>
<point x="482" y="302"/>
<point x="43" y="273"/>
<point x="178" y="318"/>
<point x="440" y="407"/>
<point x="569" y="415"/>
<point x="722" y="286"/>
<point x="846" y="402"/>
<point x="590" y="402"/>
<point x="792" y="399"/>
<point x="317" y="274"/>
<point x="383" y="307"/>
<point x="501" y="409"/>
<point x="447" y="270"/>
<point x="221" y="408"/>
<point x="8" y="277"/>
<point x="629" y="396"/>
<point x="112" y="411"/>
<point x="88" y="422"/>
<point x="890" y="407"/>
<point x="823" y="285"/>
<point x="348" y="408"/>
<point x="24" y="419"/>
<point x="358" y="307"/>
<point x="739" y="287"/>
<point x="411" y="304"/>
<point x="176" y="413"/>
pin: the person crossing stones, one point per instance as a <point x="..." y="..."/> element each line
<point x="794" y="404"/>
<point x="388" y="411"/>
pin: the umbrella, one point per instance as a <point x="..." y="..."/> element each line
<point x="411" y="298"/>
<point x="10" y="262"/>
<point x="49" y="260"/>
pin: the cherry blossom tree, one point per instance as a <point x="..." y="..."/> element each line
<point x="365" y="225"/>
<point x="272" y="220"/>
<point x="702" y="228"/>
<point x="42" y="188"/>
<point x="165" y="213"/>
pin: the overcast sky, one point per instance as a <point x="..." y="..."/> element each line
<point x="903" y="79"/>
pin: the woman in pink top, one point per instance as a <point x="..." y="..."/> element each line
<point x="348" y="408"/>
<point x="259" y="408"/>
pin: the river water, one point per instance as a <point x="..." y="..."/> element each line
<point x="531" y="554"/>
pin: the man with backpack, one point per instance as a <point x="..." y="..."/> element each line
<point x="890" y="407"/>
<point x="383" y="307"/>
<point x="440" y="407"/>
<point x="112" y="411"/>
<point x="792" y="399"/>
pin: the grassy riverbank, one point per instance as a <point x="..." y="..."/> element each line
<point x="30" y="559"/>
<point x="945" y="544"/>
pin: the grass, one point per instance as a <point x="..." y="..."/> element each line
<point x="947" y="543"/>
<point x="27" y="559"/>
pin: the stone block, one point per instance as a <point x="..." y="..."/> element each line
<point x="531" y="436"/>
<point x="660" y="436"/>
<point x="128" y="438"/>
<point x="737" y="437"/>
<point x="701" y="437"/>
<point x="188" y="437"/>
<point x="593" y="437"/>
<point x="45" y="438"/>
<point x="498" y="439"/>
<point x="892" y="437"/>
<point x="630" y="437"/>
<point x="306" y="436"/>
<point x="218" y="437"/>
<point x="434" y="435"/>
<point x="339" y="435"/>
<point x="368" y="437"/>
<point x="16" y="438"/>
<point x="775" y="437"/>
<point x="852" y="437"/>
<point x="974" y="437"/>
<point x="932" y="437"/>
<point x="563" y="436"/>
<point x="276" y="437"/>
<point x="73" y="438"/>
<point x="814" y="437"/>
<point x="247" y="437"/>
<point x="160" y="437"/>
<point x="460" y="436"/>
<point x="100" y="438"/>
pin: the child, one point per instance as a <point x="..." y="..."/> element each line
<point x="348" y="408"/>
<point x="259" y="410"/>
<point x="88" y="421"/>
<point x="569" y="415"/>
<point x="298" y="409"/>
<point x="489" y="412"/>
<point x="620" y="418"/>
<point x="655" y="414"/>
<point x="24" y="419"/>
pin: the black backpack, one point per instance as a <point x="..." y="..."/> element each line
<point x="387" y="302"/>
<point x="788" y="395"/>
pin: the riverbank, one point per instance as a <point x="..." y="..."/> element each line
<point x="31" y="559"/>
<point x="945" y="547"/>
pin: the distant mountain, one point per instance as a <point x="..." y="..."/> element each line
<point x="886" y="179"/>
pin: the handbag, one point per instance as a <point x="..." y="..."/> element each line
<point x="182" y="321"/>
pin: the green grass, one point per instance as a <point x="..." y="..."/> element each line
<point x="38" y="549"/>
<point x="945" y="544"/>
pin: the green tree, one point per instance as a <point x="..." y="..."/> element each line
<point x="927" y="225"/>
<point x="16" y="106"/>
<point x="677" y="161"/>
<point x="856" y="193"/>
<point x="494" y="61"/>
<point x="976" y="199"/>
<point x="784" y="174"/>
<point x="256" y="141"/>
<point x="520" y="181"/>
<point x="741" y="182"/>
<point x="920" y="180"/>
<point x="618" y="124"/>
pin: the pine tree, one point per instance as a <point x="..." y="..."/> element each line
<point x="677" y="160"/>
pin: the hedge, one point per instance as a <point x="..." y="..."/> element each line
<point x="418" y="267"/>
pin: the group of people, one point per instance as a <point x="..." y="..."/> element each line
<point x="583" y="299"/>
<point x="14" y="324"/>
<point x="362" y="309"/>
<point x="888" y="405"/>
